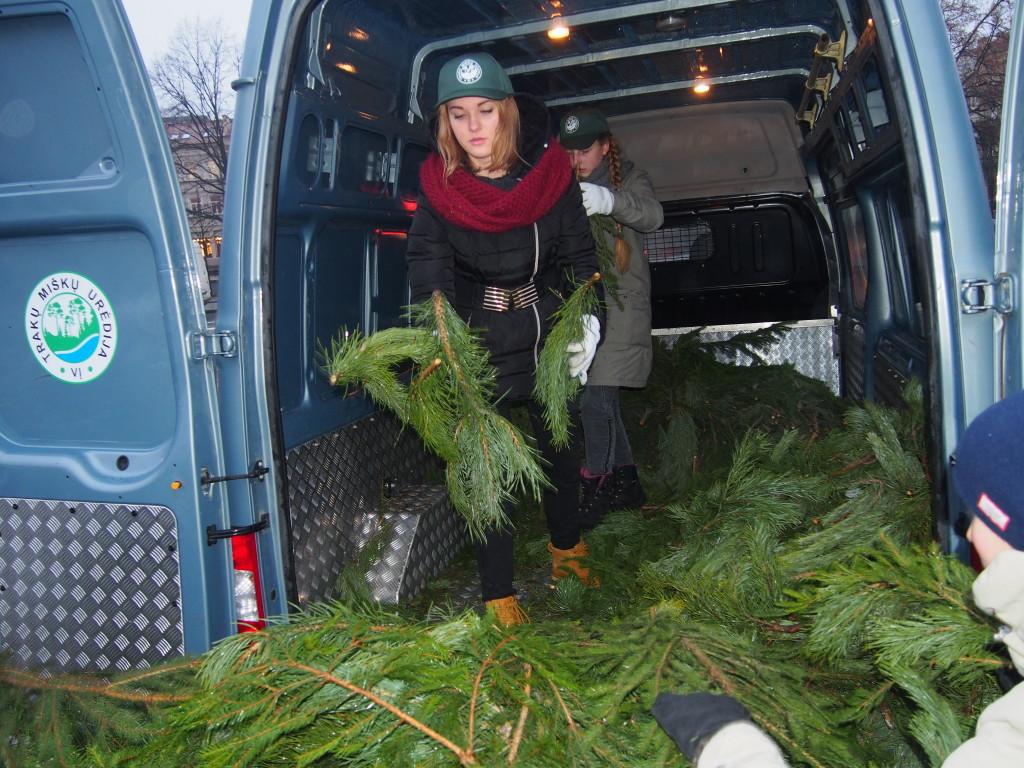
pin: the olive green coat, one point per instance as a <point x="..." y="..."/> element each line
<point x="624" y="357"/>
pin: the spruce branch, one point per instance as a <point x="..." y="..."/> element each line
<point x="476" y="688"/>
<point x="565" y="710"/>
<point x="554" y="387"/>
<point x="465" y="756"/>
<point x="98" y="688"/>
<point x="517" y="735"/>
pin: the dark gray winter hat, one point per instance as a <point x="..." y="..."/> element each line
<point x="472" y="74"/>
<point x="581" y="128"/>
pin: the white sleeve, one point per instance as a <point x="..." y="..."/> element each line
<point x="741" y="745"/>
<point x="998" y="740"/>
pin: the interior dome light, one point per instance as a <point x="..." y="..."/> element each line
<point x="558" y="29"/>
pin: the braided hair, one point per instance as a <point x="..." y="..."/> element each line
<point x="622" y="252"/>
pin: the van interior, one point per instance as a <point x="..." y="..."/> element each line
<point x="771" y="130"/>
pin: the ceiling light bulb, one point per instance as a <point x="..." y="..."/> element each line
<point x="701" y="87"/>
<point x="558" y="31"/>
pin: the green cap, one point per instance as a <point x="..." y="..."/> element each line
<point x="581" y="128"/>
<point x="473" y="74"/>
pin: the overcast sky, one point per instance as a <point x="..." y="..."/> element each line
<point x="154" y="21"/>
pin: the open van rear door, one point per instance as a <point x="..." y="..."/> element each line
<point x="108" y="409"/>
<point x="1004" y="291"/>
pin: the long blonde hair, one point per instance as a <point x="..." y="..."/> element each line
<point x="506" y="139"/>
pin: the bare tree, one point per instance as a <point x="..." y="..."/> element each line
<point x="192" y="81"/>
<point x="979" y="32"/>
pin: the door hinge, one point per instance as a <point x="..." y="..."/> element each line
<point x="980" y="295"/>
<point x="211" y="343"/>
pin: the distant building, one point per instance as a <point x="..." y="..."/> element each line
<point x="200" y="149"/>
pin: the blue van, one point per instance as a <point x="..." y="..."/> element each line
<point x="163" y="482"/>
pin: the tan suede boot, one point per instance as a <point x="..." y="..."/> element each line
<point x="507" y="611"/>
<point x="566" y="561"/>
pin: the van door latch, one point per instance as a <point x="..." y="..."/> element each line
<point x="980" y="295"/>
<point x="259" y="469"/>
<point x="207" y="344"/>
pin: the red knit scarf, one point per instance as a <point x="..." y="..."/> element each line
<point x="467" y="202"/>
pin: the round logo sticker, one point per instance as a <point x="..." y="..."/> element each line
<point x="468" y="71"/>
<point x="572" y="124"/>
<point x="71" y="327"/>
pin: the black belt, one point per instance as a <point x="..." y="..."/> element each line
<point x="496" y="299"/>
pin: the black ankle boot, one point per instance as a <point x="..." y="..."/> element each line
<point x="626" y="491"/>
<point x="595" y="497"/>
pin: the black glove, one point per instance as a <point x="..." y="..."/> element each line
<point x="692" y="720"/>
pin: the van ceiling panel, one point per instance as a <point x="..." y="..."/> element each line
<point x="616" y="49"/>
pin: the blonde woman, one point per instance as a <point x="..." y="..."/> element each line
<point x="499" y="226"/>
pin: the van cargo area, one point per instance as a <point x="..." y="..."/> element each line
<point x="816" y="166"/>
<point x="759" y="178"/>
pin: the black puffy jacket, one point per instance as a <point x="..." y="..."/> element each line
<point x="558" y="245"/>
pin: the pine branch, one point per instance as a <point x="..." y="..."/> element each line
<point x="866" y="654"/>
<point x="554" y="387"/>
<point x="449" y="402"/>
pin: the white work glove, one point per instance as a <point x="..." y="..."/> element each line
<point x="597" y="199"/>
<point x="581" y="353"/>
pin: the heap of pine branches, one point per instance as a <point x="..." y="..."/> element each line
<point x="798" y="576"/>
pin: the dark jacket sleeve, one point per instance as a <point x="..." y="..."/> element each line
<point x="429" y="255"/>
<point x="576" y="252"/>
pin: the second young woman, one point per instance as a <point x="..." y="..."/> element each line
<point x="613" y="187"/>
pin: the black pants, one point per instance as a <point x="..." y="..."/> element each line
<point x="561" y="505"/>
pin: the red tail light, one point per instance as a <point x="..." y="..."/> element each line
<point x="248" y="595"/>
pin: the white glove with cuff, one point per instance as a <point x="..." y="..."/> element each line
<point x="597" y="199"/>
<point x="581" y="353"/>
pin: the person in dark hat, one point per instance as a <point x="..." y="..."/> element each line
<point x="501" y="230"/>
<point x="612" y="186"/>
<point x="715" y="731"/>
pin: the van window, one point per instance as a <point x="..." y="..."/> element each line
<point x="692" y="241"/>
<point x="901" y="219"/>
<point x="47" y="87"/>
<point x="857" y="254"/>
